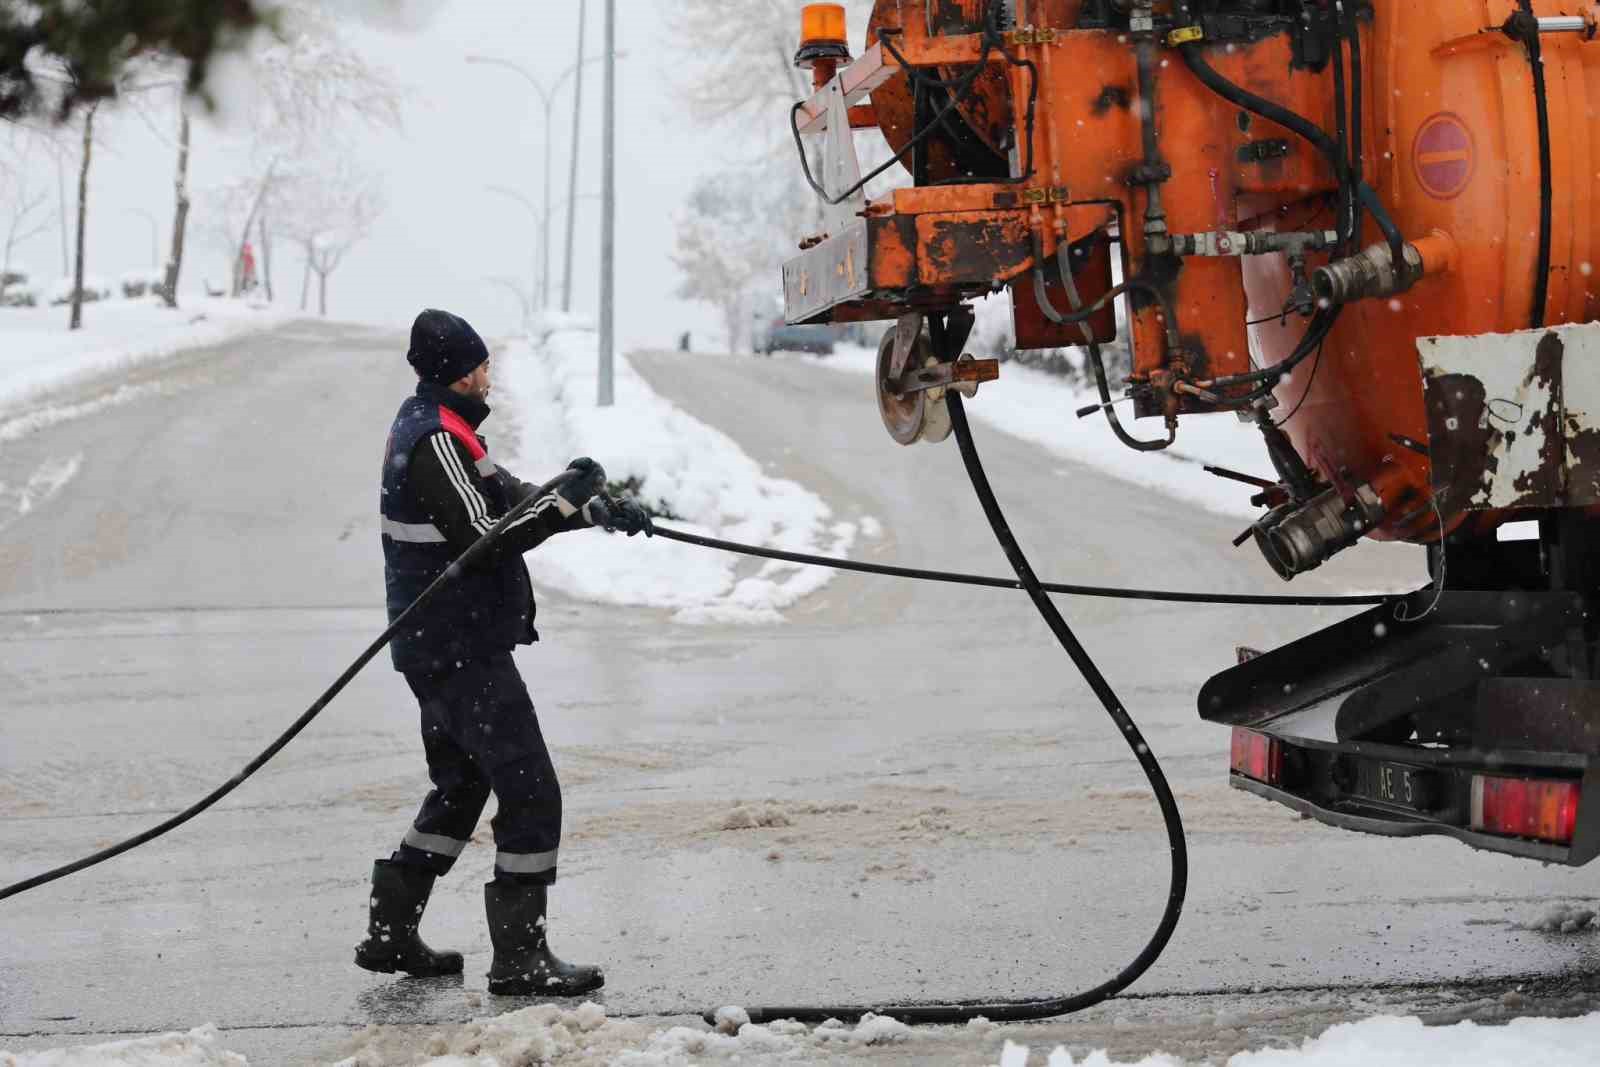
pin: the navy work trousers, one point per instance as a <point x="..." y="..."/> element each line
<point x="480" y="734"/>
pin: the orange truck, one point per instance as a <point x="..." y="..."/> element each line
<point x="1368" y="230"/>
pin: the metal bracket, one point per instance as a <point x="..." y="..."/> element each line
<point x="944" y="375"/>
<point x="1185" y="34"/>
<point x="1261" y="151"/>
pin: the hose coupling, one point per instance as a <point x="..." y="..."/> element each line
<point x="1296" y="538"/>
<point x="1372" y="271"/>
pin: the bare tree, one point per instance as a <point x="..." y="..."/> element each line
<point x="746" y="70"/>
<point x="22" y="204"/>
<point x="730" y="244"/>
<point x="311" y="84"/>
<point x="76" y="322"/>
<point x="327" y="208"/>
<point x="180" y="211"/>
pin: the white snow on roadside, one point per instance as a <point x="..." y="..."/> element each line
<point x="1042" y="408"/>
<point x="698" y="472"/>
<point x="197" y="1048"/>
<point x="1387" y="1041"/>
<point x="548" y="1034"/>
<point x="46" y="481"/>
<point x="1562" y="919"/>
<point x="39" y="353"/>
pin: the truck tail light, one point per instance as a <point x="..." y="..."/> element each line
<point x="1256" y="756"/>
<point x="1525" y="807"/>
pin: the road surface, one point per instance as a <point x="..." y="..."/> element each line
<point x="948" y="812"/>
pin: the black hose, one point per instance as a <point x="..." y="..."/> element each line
<point x="1260" y="106"/>
<point x="1358" y="163"/>
<point x="957" y="1012"/>
<point x="1541" y="103"/>
<point x="956" y="578"/>
<point x="466" y="559"/>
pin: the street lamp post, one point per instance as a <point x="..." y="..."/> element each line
<point x="606" y="392"/>
<point x="547" y="97"/>
<point x="540" y="222"/>
<point x="572" y="162"/>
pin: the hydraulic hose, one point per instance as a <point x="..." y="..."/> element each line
<point x="1541" y="105"/>
<point x="487" y="541"/>
<point x="957" y="1012"/>
<point x="956" y="578"/>
<point x="466" y="559"/>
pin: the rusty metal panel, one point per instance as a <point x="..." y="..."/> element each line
<point x="832" y="272"/>
<point x="1514" y="419"/>
<point x="972" y="247"/>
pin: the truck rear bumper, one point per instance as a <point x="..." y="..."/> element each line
<point x="1403" y="791"/>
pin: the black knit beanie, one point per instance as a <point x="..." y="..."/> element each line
<point x="444" y="347"/>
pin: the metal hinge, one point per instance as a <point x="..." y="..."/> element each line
<point x="1055" y="194"/>
<point x="1031" y="35"/>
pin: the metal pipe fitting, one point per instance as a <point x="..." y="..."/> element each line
<point x="1370" y="272"/>
<point x="1299" y="539"/>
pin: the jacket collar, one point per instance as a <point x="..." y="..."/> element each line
<point x="469" y="408"/>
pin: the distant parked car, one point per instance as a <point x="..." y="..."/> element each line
<point x="779" y="336"/>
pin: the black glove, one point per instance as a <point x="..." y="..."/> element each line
<point x="630" y="516"/>
<point x="591" y="479"/>
<point x="626" y="515"/>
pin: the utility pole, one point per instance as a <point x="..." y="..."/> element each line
<point x="572" y="164"/>
<point x="608" y="213"/>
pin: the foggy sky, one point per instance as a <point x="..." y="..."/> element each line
<point x="464" y="126"/>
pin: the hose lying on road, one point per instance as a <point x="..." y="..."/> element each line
<point x="953" y="1012"/>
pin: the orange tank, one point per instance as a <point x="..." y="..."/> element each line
<point x="1123" y="147"/>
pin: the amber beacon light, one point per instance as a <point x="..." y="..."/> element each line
<point x="823" y="35"/>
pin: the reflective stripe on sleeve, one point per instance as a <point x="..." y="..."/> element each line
<point x="414" y="533"/>
<point x="525" y="862"/>
<point x="435" y="843"/>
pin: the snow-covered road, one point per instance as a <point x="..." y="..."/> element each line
<point x="900" y="792"/>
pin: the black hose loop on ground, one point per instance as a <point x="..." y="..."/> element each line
<point x="958" y="1012"/>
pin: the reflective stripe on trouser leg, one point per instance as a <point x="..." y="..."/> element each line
<point x="438" y="844"/>
<point x="525" y="862"/>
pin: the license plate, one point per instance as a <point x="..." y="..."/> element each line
<point x="1395" y="785"/>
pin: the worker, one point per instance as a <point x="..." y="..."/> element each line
<point x="441" y="492"/>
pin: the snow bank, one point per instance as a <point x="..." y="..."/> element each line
<point x="1389" y="1041"/>
<point x="1041" y="408"/>
<point x="197" y="1048"/>
<point x="679" y="464"/>
<point x="1562" y="919"/>
<point x="547" y="1034"/>
<point x="38" y="352"/>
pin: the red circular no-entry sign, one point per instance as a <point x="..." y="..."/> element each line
<point x="1443" y="156"/>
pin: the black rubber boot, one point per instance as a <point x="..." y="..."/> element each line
<point x="399" y="893"/>
<point x="523" y="965"/>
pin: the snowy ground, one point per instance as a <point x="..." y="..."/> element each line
<point x="693" y="473"/>
<point x="585" y="1037"/>
<point x="1041" y="408"/>
<point x="39" y="354"/>
<point x="903" y="793"/>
